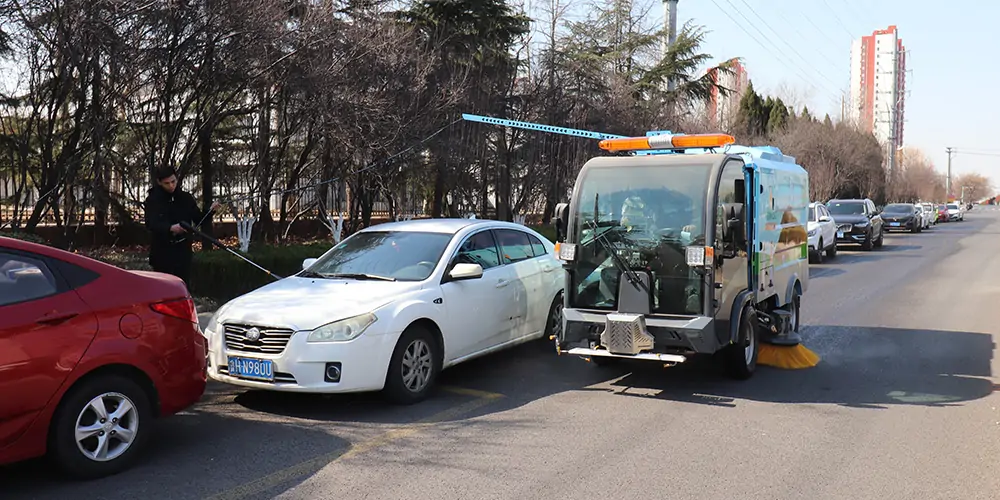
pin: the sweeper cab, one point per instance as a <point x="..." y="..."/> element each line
<point x="681" y="245"/>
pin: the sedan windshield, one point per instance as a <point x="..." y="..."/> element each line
<point x="645" y="218"/>
<point x="382" y="255"/>
<point x="846" y="208"/>
<point x="898" y="208"/>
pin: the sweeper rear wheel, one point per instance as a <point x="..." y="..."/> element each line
<point x="740" y="359"/>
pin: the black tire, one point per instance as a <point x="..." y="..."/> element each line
<point x="796" y="305"/>
<point x="416" y="338"/>
<point x="818" y="254"/>
<point x="63" y="448"/>
<point x="554" y="322"/>
<point x="867" y="244"/>
<point x="881" y="238"/>
<point x="831" y="252"/>
<point x="735" y="356"/>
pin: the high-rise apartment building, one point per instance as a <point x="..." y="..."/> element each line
<point x="722" y="107"/>
<point x="878" y="85"/>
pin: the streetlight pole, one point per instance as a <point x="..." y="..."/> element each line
<point x="947" y="188"/>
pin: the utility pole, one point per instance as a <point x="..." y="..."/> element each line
<point x="947" y="184"/>
<point x="670" y="22"/>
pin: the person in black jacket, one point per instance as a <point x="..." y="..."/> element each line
<point x="166" y="206"/>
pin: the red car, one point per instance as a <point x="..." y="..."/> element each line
<point x="942" y="213"/>
<point x="90" y="354"/>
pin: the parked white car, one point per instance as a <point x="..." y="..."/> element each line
<point x="391" y="306"/>
<point x="822" y="233"/>
<point x="956" y="212"/>
<point x="930" y="214"/>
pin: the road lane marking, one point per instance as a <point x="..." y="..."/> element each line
<point x="314" y="465"/>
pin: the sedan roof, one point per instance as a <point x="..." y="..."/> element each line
<point x="446" y="226"/>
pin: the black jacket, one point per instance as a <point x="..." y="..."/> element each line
<point x="166" y="209"/>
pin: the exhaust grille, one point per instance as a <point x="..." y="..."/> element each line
<point x="626" y="334"/>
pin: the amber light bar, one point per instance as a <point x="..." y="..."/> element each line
<point x="681" y="141"/>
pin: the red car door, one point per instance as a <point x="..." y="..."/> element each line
<point x="45" y="328"/>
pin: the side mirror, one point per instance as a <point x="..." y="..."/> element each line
<point x="736" y="232"/>
<point x="306" y="264"/>
<point x="463" y="272"/>
<point x="560" y="219"/>
<point x="825" y="218"/>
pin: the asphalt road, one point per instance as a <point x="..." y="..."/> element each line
<point x="902" y="406"/>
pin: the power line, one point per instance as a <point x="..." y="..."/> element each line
<point x="835" y="16"/>
<point x="793" y="49"/>
<point x="781" y="60"/>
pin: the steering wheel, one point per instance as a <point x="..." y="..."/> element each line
<point x="427" y="264"/>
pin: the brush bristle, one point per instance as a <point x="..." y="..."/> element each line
<point x="788" y="358"/>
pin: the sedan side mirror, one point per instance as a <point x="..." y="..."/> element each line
<point x="463" y="272"/>
<point x="825" y="218"/>
<point x="306" y="264"/>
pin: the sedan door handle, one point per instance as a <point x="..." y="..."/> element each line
<point x="56" y="319"/>
<point x="547" y="268"/>
<point x="502" y="283"/>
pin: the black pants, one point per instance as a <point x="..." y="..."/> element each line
<point x="173" y="260"/>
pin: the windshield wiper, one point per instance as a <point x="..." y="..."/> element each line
<point x="360" y="276"/>
<point x="631" y="276"/>
<point x="311" y="274"/>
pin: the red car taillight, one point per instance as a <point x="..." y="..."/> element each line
<point x="181" y="308"/>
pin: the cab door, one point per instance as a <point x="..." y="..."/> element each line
<point x="45" y="328"/>
<point x="731" y="273"/>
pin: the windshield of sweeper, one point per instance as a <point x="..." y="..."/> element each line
<point x="647" y="214"/>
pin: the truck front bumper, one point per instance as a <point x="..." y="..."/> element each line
<point x="656" y="338"/>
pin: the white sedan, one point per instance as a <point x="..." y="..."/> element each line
<point x="822" y="233"/>
<point x="389" y="307"/>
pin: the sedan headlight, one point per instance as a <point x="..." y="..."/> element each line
<point x="343" y="330"/>
<point x="812" y="232"/>
<point x="863" y="223"/>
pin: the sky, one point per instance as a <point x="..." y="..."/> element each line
<point x="802" y="48"/>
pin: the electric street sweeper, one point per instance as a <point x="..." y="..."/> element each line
<point x="683" y="245"/>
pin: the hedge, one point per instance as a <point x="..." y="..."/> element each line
<point x="222" y="276"/>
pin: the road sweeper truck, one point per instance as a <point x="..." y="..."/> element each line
<point x="680" y="245"/>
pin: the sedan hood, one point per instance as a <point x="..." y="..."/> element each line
<point x="849" y="219"/>
<point x="307" y="303"/>
<point x="896" y="217"/>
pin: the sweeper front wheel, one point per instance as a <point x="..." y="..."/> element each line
<point x="740" y="359"/>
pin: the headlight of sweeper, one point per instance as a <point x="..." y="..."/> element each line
<point x="343" y="330"/>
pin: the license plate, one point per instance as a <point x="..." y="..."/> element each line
<point x="257" y="369"/>
<point x="840" y="234"/>
<point x="894" y="224"/>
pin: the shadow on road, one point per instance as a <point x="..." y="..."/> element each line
<point x="823" y="271"/>
<point x="190" y="455"/>
<point x="861" y="367"/>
